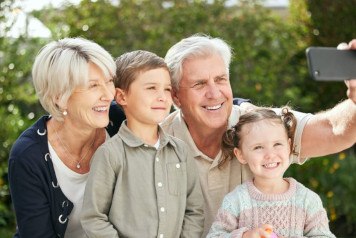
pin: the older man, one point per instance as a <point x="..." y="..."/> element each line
<point x="199" y="68"/>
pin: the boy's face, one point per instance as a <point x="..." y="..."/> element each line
<point x="148" y="100"/>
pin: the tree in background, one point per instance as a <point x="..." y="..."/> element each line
<point x="18" y="103"/>
<point x="269" y="66"/>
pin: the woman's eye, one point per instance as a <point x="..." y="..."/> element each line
<point x="257" y="147"/>
<point x="93" y="85"/>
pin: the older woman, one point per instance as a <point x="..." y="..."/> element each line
<point x="49" y="163"/>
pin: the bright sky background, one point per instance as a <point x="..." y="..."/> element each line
<point x="37" y="29"/>
<point x="29" y="5"/>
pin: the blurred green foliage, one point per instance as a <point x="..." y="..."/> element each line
<point x="269" y="66"/>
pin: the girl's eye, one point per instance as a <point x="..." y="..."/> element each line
<point x="168" y="89"/>
<point x="257" y="147"/>
<point x="277" y="144"/>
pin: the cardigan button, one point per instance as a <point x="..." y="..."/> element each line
<point x="41" y="133"/>
<point x="55" y="185"/>
<point x="62" y="221"/>
<point x="47" y="155"/>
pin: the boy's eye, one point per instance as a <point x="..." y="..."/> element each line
<point x="168" y="89"/>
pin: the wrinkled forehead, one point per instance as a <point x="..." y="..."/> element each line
<point x="205" y="66"/>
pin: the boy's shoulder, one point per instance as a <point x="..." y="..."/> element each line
<point x="113" y="144"/>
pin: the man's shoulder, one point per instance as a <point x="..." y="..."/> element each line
<point x="173" y="118"/>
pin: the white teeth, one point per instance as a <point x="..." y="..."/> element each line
<point x="100" y="109"/>
<point x="271" y="165"/>
<point x="214" y="107"/>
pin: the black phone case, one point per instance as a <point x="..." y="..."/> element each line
<point x="331" y="64"/>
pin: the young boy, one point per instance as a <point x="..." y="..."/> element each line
<point x="142" y="182"/>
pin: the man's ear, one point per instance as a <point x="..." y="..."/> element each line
<point x="239" y="156"/>
<point x="175" y="97"/>
<point x="120" y="96"/>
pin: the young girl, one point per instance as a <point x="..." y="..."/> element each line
<point x="262" y="139"/>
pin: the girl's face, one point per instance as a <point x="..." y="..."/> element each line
<point x="265" y="147"/>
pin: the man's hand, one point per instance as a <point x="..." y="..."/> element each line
<point x="351" y="84"/>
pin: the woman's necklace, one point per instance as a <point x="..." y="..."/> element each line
<point x="67" y="152"/>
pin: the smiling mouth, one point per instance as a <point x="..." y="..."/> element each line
<point x="271" y="165"/>
<point x="100" y="109"/>
<point x="212" y="108"/>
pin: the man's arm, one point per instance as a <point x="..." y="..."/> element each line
<point x="334" y="130"/>
<point x="331" y="131"/>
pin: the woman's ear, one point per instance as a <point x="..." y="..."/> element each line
<point x="175" y="98"/>
<point x="120" y="96"/>
<point x="239" y="156"/>
<point x="60" y="103"/>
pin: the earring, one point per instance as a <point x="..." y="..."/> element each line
<point x="65" y="113"/>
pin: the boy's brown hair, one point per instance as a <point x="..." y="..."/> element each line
<point x="130" y="64"/>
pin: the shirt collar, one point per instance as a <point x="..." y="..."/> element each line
<point x="133" y="141"/>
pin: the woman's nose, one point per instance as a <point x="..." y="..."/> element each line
<point x="108" y="92"/>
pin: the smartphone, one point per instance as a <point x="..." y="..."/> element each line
<point x="331" y="64"/>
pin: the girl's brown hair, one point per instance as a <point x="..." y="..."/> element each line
<point x="232" y="137"/>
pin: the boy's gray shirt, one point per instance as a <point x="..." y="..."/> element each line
<point x="136" y="190"/>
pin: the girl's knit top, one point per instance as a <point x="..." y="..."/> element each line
<point x="296" y="213"/>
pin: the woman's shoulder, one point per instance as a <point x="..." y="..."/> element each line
<point x="31" y="142"/>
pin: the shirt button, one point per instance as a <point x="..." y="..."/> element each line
<point x="162" y="209"/>
<point x="177" y="166"/>
<point x="157" y="159"/>
<point x="159" y="184"/>
<point x="161" y="236"/>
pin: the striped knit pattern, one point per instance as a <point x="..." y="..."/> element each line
<point x="296" y="213"/>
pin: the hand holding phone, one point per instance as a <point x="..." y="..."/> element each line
<point x="331" y="64"/>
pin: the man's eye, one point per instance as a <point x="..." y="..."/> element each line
<point x="199" y="85"/>
<point x="221" y="80"/>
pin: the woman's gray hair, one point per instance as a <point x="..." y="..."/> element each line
<point x="63" y="65"/>
<point x="195" y="46"/>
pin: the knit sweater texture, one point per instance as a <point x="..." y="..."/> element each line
<point x="296" y="213"/>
